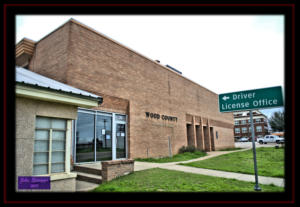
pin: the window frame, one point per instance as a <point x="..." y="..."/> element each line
<point x="237" y="129"/>
<point x="259" y="129"/>
<point x="66" y="141"/>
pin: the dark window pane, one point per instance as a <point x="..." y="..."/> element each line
<point x="85" y="137"/>
<point x="121" y="141"/>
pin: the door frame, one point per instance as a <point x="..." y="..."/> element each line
<point x="114" y="123"/>
<point x="114" y="135"/>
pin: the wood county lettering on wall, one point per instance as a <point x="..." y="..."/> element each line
<point x="158" y="116"/>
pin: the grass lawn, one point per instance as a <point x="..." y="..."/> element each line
<point x="175" y="158"/>
<point x="161" y="180"/>
<point x="270" y="162"/>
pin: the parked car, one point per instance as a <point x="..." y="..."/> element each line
<point x="244" y="139"/>
<point x="270" y="139"/>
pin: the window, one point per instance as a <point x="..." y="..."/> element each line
<point x="244" y="130"/>
<point x="237" y="130"/>
<point x="258" y="129"/>
<point x="217" y="135"/>
<point x="257" y="120"/>
<point x="236" y="122"/>
<point x="243" y="121"/>
<point x="49" y="146"/>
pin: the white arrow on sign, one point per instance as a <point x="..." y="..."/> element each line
<point x="225" y="98"/>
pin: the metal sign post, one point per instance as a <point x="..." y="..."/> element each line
<point x="256" y="187"/>
<point x="249" y="100"/>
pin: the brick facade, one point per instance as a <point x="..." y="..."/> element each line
<point x="133" y="84"/>
<point x="242" y="120"/>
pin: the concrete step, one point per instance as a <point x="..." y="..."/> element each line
<point x="82" y="186"/>
<point x="89" y="177"/>
<point x="89" y="170"/>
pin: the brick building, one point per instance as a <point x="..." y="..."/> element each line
<point x="242" y="125"/>
<point x="148" y="109"/>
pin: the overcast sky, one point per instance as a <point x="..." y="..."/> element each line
<point x="222" y="53"/>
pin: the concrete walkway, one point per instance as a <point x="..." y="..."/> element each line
<point x="147" y="165"/>
<point x="82" y="186"/>
<point x="217" y="173"/>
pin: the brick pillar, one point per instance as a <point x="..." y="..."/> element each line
<point x="209" y="135"/>
<point x="194" y="132"/>
<point x="201" y="141"/>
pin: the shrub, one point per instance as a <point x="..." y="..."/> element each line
<point x="184" y="149"/>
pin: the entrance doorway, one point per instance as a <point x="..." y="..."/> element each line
<point x="120" y="137"/>
<point x="200" y="145"/>
<point x="190" y="135"/>
<point x="206" y="138"/>
<point x="99" y="136"/>
<point x="212" y="138"/>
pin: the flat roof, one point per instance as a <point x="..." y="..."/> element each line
<point x="118" y="43"/>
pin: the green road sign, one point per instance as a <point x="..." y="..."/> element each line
<point x="251" y="99"/>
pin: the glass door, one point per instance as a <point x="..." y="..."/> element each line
<point x="103" y="138"/>
<point x="120" y="141"/>
<point x="120" y="137"/>
<point x="100" y="136"/>
<point x="85" y="143"/>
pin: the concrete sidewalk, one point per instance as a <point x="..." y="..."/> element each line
<point x="217" y="173"/>
<point x="238" y="176"/>
<point x="82" y="186"/>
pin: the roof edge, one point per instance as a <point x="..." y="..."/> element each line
<point x="137" y="53"/>
<point x="98" y="99"/>
<point x="72" y="20"/>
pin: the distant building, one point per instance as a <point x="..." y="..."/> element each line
<point x="242" y="125"/>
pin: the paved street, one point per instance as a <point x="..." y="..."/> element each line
<point x="249" y="145"/>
